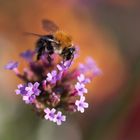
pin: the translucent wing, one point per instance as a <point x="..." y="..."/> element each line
<point x="33" y="34"/>
<point x="49" y="26"/>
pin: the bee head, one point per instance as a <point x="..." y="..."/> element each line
<point x="71" y="50"/>
<point x="63" y="39"/>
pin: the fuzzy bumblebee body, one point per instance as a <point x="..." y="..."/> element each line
<point x="59" y="43"/>
<point x="56" y="41"/>
<point x="63" y="39"/>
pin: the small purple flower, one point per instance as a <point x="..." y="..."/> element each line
<point x="96" y="71"/>
<point x="80" y="88"/>
<point x="11" y="65"/>
<point x="59" y="118"/>
<point x="82" y="68"/>
<point x="27" y="55"/>
<point x="32" y="89"/>
<point x="50" y="114"/>
<point x="52" y="77"/>
<point x="90" y="66"/>
<point x="29" y="99"/>
<point x="81" y="78"/>
<point x="81" y="104"/>
<point x="21" y="90"/>
<point x="29" y="92"/>
<point x="90" y="62"/>
<point x="63" y="65"/>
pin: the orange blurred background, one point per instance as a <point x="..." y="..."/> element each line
<point x="106" y="30"/>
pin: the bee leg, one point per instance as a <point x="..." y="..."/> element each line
<point x="38" y="56"/>
<point x="49" y="59"/>
<point x="64" y="60"/>
<point x="71" y="60"/>
<point x="39" y="50"/>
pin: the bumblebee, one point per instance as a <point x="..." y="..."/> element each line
<point x="55" y="42"/>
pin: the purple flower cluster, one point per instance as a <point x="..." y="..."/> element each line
<point x="12" y="65"/>
<point x="50" y="85"/>
<point x="90" y="67"/>
<point x="50" y="114"/>
<point x="28" y="92"/>
<point x="27" y="55"/>
<point x="81" y="90"/>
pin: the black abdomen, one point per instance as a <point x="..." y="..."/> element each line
<point x="44" y="45"/>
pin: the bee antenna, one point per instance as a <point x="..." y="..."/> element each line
<point x="34" y="34"/>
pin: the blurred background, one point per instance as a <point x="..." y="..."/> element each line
<point x="107" y="30"/>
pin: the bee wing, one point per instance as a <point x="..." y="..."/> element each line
<point x="33" y="34"/>
<point x="49" y="26"/>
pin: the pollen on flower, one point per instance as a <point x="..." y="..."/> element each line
<point x="51" y="87"/>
